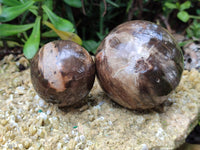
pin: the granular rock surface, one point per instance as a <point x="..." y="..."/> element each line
<point x="28" y="122"/>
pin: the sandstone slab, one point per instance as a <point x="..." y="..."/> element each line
<point x="27" y="121"/>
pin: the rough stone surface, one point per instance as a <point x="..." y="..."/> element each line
<point x="27" y="121"/>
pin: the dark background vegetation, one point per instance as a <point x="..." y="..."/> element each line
<point x="93" y="19"/>
<point x="102" y="16"/>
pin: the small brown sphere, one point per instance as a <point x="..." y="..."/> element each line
<point x="138" y="64"/>
<point x="62" y="72"/>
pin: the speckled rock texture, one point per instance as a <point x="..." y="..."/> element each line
<point x="28" y="122"/>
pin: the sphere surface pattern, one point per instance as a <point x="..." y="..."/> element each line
<point x="62" y="72"/>
<point x="138" y="64"/>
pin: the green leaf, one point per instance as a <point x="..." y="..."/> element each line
<point x="32" y="44"/>
<point x="64" y="35"/>
<point x="112" y="3"/>
<point x="50" y="33"/>
<point x="183" y="16"/>
<point x="34" y="10"/>
<point x="10" y="13"/>
<point x="193" y="31"/>
<point x="100" y="36"/>
<point x="10" y="2"/>
<point x="129" y="5"/>
<point x="58" y="22"/>
<point x="1" y="9"/>
<point x="198" y="11"/>
<point x="74" y="3"/>
<point x="91" y="45"/>
<point x="9" y="29"/>
<point x="178" y="5"/>
<point x="185" y="5"/>
<point x="49" y="4"/>
<point x="170" y="5"/>
<point x="181" y="44"/>
<point x="10" y="44"/>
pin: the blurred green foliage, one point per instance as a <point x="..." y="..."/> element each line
<point x="19" y="12"/>
<point x="92" y="20"/>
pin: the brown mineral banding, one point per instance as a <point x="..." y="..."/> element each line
<point x="138" y="64"/>
<point x="62" y="72"/>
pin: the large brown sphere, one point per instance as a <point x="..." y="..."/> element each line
<point x="138" y="64"/>
<point x="62" y="72"/>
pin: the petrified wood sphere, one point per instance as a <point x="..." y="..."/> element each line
<point x="62" y="72"/>
<point x="138" y="64"/>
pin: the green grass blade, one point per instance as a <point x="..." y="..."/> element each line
<point x="58" y="22"/>
<point x="112" y="3"/>
<point x="74" y="3"/>
<point x="10" y="2"/>
<point x="49" y="34"/>
<point x="10" y="13"/>
<point x="8" y="29"/>
<point x="32" y="44"/>
<point x="91" y="45"/>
